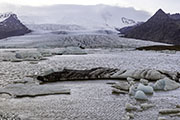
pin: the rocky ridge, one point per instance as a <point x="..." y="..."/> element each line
<point x="10" y="25"/>
<point x="161" y="27"/>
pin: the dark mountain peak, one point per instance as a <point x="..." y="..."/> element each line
<point x="160" y="15"/>
<point x="10" y="25"/>
<point x="11" y="17"/>
<point x="5" y="16"/>
<point x="14" y="16"/>
<point x="159" y="28"/>
<point x="160" y="11"/>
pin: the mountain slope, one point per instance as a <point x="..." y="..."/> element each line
<point x="11" y="26"/>
<point x="159" y="28"/>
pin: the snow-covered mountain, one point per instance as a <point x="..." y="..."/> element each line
<point x="4" y="16"/>
<point x="91" y="16"/>
<point x="10" y="25"/>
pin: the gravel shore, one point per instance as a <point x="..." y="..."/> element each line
<point x="89" y="100"/>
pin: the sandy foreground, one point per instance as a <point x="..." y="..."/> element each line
<point x="89" y="100"/>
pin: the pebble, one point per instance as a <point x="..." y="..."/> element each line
<point x="16" y="60"/>
<point x="130" y="107"/>
<point x="33" y="62"/>
<point x="146" y="106"/>
<point x="131" y="115"/>
<point x="175" y="115"/>
<point x="122" y="86"/>
<point x="162" y="118"/>
<point x="126" y="118"/>
<point x="169" y="111"/>
<point x="117" y="91"/>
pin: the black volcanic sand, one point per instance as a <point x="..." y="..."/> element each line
<point x="160" y="47"/>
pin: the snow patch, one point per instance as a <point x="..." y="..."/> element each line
<point x="4" y="16"/>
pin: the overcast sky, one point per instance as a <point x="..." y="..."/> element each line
<point x="151" y="6"/>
